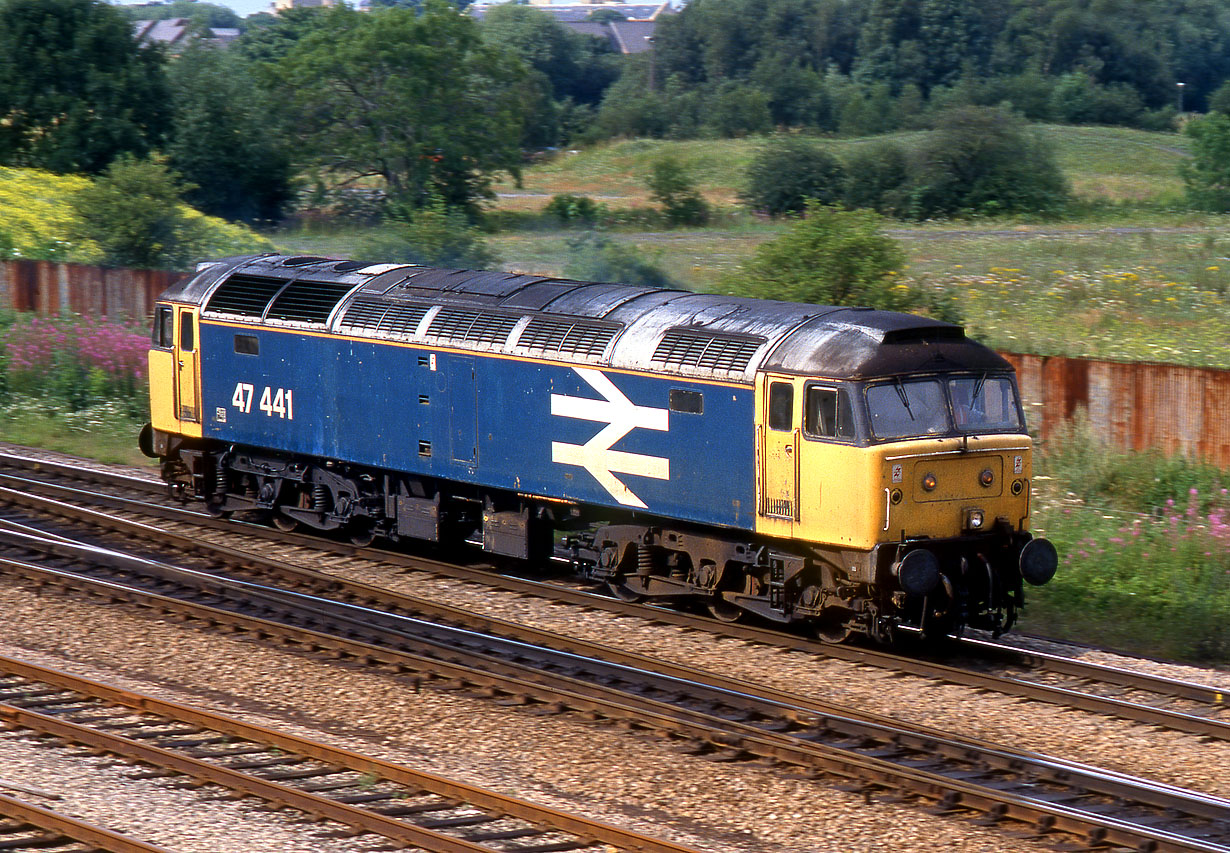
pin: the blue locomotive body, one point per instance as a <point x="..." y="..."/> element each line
<point x="851" y="469"/>
<point x="601" y="437"/>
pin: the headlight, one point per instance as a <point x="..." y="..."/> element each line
<point x="918" y="572"/>
<point x="974" y="519"/>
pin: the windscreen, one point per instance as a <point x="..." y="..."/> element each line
<point x="984" y="403"/>
<point x="943" y="406"/>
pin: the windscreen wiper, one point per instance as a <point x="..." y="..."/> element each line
<point x="905" y="399"/>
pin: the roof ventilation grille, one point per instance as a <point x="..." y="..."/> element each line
<point x="706" y="350"/>
<point x="568" y="337"/>
<point x="307" y="301"/>
<point x="244" y="295"/>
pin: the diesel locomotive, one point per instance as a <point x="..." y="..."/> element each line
<point x="853" y="470"/>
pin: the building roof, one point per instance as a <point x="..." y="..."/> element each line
<point x="579" y="13"/>
<point x="177" y="32"/>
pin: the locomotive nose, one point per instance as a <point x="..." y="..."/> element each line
<point x="1039" y="560"/>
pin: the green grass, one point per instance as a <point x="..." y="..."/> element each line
<point x="101" y="434"/>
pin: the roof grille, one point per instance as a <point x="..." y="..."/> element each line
<point x="706" y="350"/>
<point x="308" y="301"/>
<point x="377" y="318"/>
<point x="481" y="327"/>
<point x="568" y="337"/>
<point x="244" y="295"/>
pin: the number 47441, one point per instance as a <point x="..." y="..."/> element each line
<point x="274" y="401"/>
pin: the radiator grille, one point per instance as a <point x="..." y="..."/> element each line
<point x="706" y="350"/>
<point x="308" y="301"/>
<point x="244" y="295"/>
<point x="567" y="337"/>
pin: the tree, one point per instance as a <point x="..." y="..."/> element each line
<point x="829" y="256"/>
<point x="578" y="66"/>
<point x="76" y="90"/>
<point x="134" y="212"/>
<point x="221" y="141"/>
<point x="1206" y="175"/>
<point x="672" y="187"/>
<point x="982" y="160"/>
<point x="419" y="101"/>
<point x="784" y="175"/>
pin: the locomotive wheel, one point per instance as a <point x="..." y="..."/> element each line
<point x="216" y="510"/>
<point x="622" y="592"/>
<point x="723" y="611"/>
<point x="284" y="523"/>
<point x="362" y="536"/>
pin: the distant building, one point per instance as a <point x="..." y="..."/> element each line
<point x="176" y="33"/>
<point x="633" y="34"/>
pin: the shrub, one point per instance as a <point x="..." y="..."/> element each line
<point x="784" y="175"/>
<point x="1206" y="176"/>
<point x="435" y="235"/>
<point x="736" y="109"/>
<point x="829" y="257"/>
<point x="672" y="188"/>
<point x="596" y="257"/>
<point x="575" y="209"/>
<point x="982" y="161"/>
<point x="877" y="177"/>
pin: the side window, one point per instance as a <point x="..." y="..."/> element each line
<point x="187" y="341"/>
<point x="164" y="328"/>
<point x="688" y="402"/>
<point x="828" y="414"/>
<point x="781" y="405"/>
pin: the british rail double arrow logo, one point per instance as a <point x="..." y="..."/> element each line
<point x="621" y="416"/>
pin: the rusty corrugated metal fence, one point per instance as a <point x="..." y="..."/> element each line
<point x="51" y="288"/>
<point x="1132" y="406"/>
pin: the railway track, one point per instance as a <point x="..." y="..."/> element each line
<point x="25" y="826"/>
<point x="1116" y="692"/>
<point x="702" y="712"/>
<point x="365" y="794"/>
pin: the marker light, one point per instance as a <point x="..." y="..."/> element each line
<point x="986" y="477"/>
<point x="929" y="483"/>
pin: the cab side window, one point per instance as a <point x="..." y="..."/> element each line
<point x="827" y="413"/>
<point x="781" y="406"/>
<point x="187" y="341"/>
<point x="164" y="328"/>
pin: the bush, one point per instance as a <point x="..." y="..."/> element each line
<point x="737" y="109"/>
<point x="877" y="177"/>
<point x="672" y="188"/>
<point x="575" y="209"/>
<point x="596" y="257"/>
<point x="434" y="235"/>
<point x="784" y="175"/>
<point x="983" y="161"/>
<point x="829" y="257"/>
<point x="1206" y="176"/>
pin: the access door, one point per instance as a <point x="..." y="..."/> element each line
<point x="187" y="368"/>
<point x="779" y="453"/>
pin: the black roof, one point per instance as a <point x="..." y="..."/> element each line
<point x="604" y="325"/>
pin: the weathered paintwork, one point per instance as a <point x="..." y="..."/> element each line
<point x="572" y="433"/>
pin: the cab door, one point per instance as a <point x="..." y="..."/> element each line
<point x="187" y="370"/>
<point x="779" y="436"/>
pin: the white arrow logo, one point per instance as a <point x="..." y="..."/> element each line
<point x="621" y="416"/>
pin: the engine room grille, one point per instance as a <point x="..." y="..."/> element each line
<point x="706" y="350"/>
<point x="308" y="301"/>
<point x="244" y="295"/>
<point x="568" y="337"/>
<point x="377" y="318"/>
<point x="481" y="327"/>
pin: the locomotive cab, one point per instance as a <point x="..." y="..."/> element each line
<point x="914" y="492"/>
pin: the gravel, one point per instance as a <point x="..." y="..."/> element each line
<point x="569" y="764"/>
